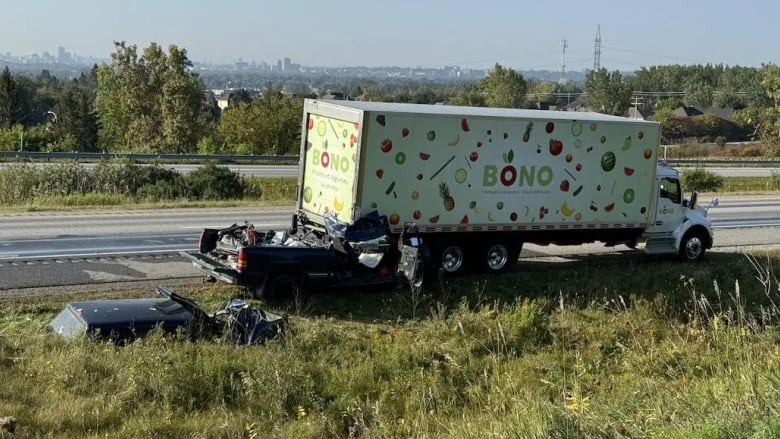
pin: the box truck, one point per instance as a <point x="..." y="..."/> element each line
<point x="385" y="187"/>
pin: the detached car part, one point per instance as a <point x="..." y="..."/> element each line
<point x="123" y="320"/>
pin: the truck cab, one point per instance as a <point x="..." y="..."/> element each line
<point x="677" y="225"/>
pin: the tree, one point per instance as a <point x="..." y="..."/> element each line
<point x="542" y="91"/>
<point x="150" y="103"/>
<point x="607" y="92"/>
<point x="7" y="99"/>
<point x="503" y="87"/>
<point x="770" y="81"/>
<point x="76" y="116"/>
<point x="469" y="96"/>
<point x="269" y="125"/>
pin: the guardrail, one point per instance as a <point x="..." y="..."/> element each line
<point x="87" y="156"/>
<point x="724" y="163"/>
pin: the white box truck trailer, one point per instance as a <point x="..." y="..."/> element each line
<point x="478" y="183"/>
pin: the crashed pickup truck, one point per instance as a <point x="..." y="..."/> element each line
<point x="278" y="264"/>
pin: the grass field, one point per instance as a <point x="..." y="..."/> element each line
<point x="597" y="346"/>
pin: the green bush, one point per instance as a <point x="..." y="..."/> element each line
<point x="774" y="181"/>
<point x="700" y="180"/>
<point x="212" y="182"/>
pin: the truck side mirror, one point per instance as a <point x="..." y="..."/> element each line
<point x="692" y="203"/>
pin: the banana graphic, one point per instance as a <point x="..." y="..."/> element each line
<point x="527" y="211"/>
<point x="338" y="205"/>
<point x="566" y="210"/>
<point x="454" y="141"/>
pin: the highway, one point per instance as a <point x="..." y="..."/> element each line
<point x="292" y="170"/>
<point x="42" y="249"/>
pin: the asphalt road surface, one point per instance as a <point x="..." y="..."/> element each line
<point x="80" y="249"/>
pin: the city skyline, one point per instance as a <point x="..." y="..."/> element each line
<point x="348" y="33"/>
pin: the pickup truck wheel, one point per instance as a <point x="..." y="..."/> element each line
<point x="282" y="287"/>
<point x="692" y="246"/>
<point x="452" y="259"/>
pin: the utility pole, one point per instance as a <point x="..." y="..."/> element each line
<point x="562" y="78"/>
<point x="597" y="49"/>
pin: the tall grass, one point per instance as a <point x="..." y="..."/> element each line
<point x="601" y="347"/>
<point x="120" y="183"/>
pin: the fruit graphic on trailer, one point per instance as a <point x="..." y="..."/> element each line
<point x="500" y="205"/>
<point x="513" y="216"/>
<point x="310" y="124"/>
<point x="424" y="156"/>
<point x="472" y="204"/>
<point x="419" y="176"/>
<point x="565" y="186"/>
<point x="433" y="219"/>
<point x="374" y="205"/>
<point x="603" y="139"/>
<point x="322" y="128"/>
<point x="576" y="128"/>
<point x="609" y="207"/>
<point x="431" y="135"/>
<point x="380" y="173"/>
<point x="641" y="135"/>
<point x="527" y="133"/>
<point x="380" y="119"/>
<point x="556" y="146"/>
<point x="566" y="210"/>
<point x="549" y="127"/>
<point x="307" y="194"/>
<point x="444" y="193"/>
<point x="400" y="158"/>
<point x="344" y="133"/>
<point x="474" y="156"/>
<point x="404" y="132"/>
<point x="417" y="215"/>
<point x="569" y="158"/>
<point x="628" y="171"/>
<point x="455" y="141"/>
<point x="577" y="216"/>
<point x="648" y="153"/>
<point x="394" y="219"/>
<point x="465" y="219"/>
<point x="628" y="196"/>
<point x="387" y="145"/>
<point x="608" y="161"/>
<point x="627" y="144"/>
<point x="415" y="195"/>
<point x="464" y="124"/>
<point x="578" y="167"/>
<point x="460" y="175"/>
<point x="338" y="205"/>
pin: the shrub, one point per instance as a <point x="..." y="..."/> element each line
<point x="720" y="141"/>
<point x="212" y="182"/>
<point x="700" y="180"/>
<point x="774" y="181"/>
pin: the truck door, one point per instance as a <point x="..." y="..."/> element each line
<point x="669" y="207"/>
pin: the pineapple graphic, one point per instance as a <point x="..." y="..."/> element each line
<point x="444" y="193"/>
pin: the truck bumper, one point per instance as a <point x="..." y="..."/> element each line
<point x="213" y="268"/>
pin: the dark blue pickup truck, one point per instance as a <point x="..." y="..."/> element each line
<point x="278" y="264"/>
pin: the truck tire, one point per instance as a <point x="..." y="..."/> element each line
<point x="282" y="287"/>
<point x="693" y="246"/>
<point x="452" y="259"/>
<point x="498" y="257"/>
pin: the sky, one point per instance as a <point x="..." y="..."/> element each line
<point x="521" y="34"/>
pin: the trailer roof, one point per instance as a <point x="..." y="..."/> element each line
<point x="388" y="107"/>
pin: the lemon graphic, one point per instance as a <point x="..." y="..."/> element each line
<point x="322" y="128"/>
<point x="307" y="195"/>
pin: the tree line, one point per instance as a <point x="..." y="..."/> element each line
<point x="153" y="101"/>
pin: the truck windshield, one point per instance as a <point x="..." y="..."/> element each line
<point x="670" y="188"/>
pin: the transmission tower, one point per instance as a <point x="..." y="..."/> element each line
<point x="562" y="79"/>
<point x="597" y="49"/>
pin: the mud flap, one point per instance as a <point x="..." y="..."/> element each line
<point x="410" y="265"/>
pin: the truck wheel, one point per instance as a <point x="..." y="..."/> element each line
<point x="692" y="246"/>
<point x="496" y="257"/>
<point x="452" y="259"/>
<point x="282" y="287"/>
